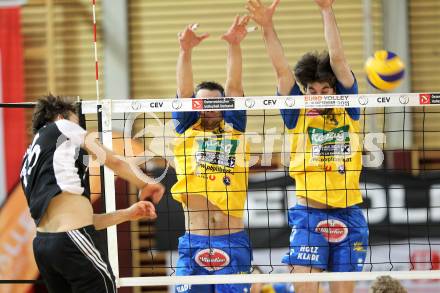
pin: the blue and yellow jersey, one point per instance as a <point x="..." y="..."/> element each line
<point x="212" y="163"/>
<point x="326" y="157"/>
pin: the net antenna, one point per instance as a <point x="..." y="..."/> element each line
<point x="103" y="109"/>
<point x="95" y="46"/>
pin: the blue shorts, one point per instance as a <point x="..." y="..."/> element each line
<point x="214" y="255"/>
<point x="330" y="239"/>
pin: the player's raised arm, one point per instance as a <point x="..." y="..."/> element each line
<point x="125" y="168"/>
<point x="338" y="61"/>
<point x="184" y="74"/>
<point x="234" y="36"/>
<point x="263" y="16"/>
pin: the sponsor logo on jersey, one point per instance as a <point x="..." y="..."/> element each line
<point x="359" y="247"/>
<point x="183" y="288"/>
<point x="341" y="169"/>
<point x="215" y="158"/>
<point x="331" y="150"/>
<point x="337" y="135"/>
<point x="217" y="151"/>
<point x="329" y="160"/>
<point x="212" y="259"/>
<point x="216" y="169"/>
<point x="226" y="146"/>
<point x="308" y="253"/>
<point x="335" y="142"/>
<point x="332" y="230"/>
<point x="227" y="180"/>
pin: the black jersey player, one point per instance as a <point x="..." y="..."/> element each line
<point x="55" y="182"/>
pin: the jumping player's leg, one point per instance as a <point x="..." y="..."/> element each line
<point x="73" y="262"/>
<point x="309" y="249"/>
<point x="89" y="269"/>
<point x="53" y="280"/>
<point x="240" y="253"/>
<point x="188" y="245"/>
<point x="342" y="287"/>
<point x="306" y="287"/>
<point x="184" y="269"/>
<point x="203" y="255"/>
<point x="349" y="255"/>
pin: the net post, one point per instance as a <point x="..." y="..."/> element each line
<point x="109" y="184"/>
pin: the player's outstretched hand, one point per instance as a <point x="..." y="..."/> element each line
<point x="188" y="39"/>
<point x="238" y="30"/>
<point x="142" y="210"/>
<point x="153" y="192"/>
<point x="324" y="4"/>
<point x="261" y="14"/>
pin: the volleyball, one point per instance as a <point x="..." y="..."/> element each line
<point x="385" y="70"/>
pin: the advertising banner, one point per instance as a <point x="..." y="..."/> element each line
<point x="397" y="206"/>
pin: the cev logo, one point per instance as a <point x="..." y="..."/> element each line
<point x="270" y="102"/>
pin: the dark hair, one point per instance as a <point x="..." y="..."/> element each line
<point x="49" y="107"/>
<point x="210" y="85"/>
<point x="386" y="284"/>
<point x="314" y="67"/>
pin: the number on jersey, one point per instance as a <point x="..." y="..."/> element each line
<point x="32" y="154"/>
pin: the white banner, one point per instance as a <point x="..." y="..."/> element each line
<point x="385" y="100"/>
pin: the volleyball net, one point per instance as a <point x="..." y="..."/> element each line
<point x="398" y="142"/>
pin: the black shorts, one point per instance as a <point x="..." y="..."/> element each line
<point x="73" y="261"/>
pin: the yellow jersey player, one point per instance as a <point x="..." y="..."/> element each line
<point x="329" y="232"/>
<point x="212" y="168"/>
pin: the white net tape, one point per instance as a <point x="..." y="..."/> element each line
<point x="269" y="103"/>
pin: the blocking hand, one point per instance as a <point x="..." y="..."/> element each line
<point x="238" y="31"/>
<point x="188" y="38"/>
<point x="323" y="4"/>
<point x="261" y="14"/>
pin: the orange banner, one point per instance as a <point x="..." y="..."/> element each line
<point x="17" y="231"/>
